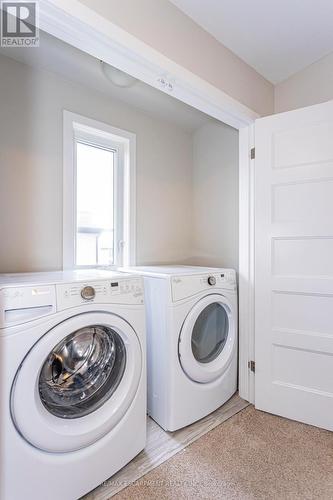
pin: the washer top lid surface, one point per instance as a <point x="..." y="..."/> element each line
<point x="26" y="279"/>
<point x="174" y="270"/>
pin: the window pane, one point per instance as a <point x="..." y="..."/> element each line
<point x="95" y="214"/>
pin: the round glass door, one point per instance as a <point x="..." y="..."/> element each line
<point x="82" y="371"/>
<point x="77" y="381"/>
<point x="207" y="339"/>
<point x="210" y="333"/>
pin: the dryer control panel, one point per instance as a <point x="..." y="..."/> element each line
<point x="114" y="291"/>
<point x="190" y="285"/>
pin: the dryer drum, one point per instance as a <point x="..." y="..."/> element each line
<point x="210" y="333"/>
<point x="82" y="372"/>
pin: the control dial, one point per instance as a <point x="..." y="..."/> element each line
<point x="211" y="280"/>
<point x="88" y="293"/>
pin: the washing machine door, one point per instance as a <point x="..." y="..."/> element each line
<point x="207" y="340"/>
<point x="77" y="382"/>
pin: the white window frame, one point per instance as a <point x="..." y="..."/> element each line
<point x="78" y="127"/>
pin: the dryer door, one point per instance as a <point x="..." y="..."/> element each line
<point x="207" y="340"/>
<point x="77" y="382"/>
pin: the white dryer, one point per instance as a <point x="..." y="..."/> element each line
<point x="72" y="381"/>
<point x="191" y="341"/>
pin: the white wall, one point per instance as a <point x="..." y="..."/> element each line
<point x="31" y="104"/>
<point x="168" y="30"/>
<point x="215" y="196"/>
<point x="312" y="85"/>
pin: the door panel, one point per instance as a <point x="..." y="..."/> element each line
<point x="208" y="339"/>
<point x="82" y="372"/>
<point x="58" y="422"/>
<point x="294" y="264"/>
<point x="210" y="333"/>
<point x="300" y="145"/>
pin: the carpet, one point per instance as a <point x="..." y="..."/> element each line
<point x="253" y="455"/>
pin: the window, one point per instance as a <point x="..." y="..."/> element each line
<point x="94" y="205"/>
<point x="99" y="194"/>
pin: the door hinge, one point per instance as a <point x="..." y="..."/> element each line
<point x="252" y="366"/>
<point x="253" y="153"/>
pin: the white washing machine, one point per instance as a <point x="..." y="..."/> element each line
<point x="72" y="381"/>
<point x="191" y="341"/>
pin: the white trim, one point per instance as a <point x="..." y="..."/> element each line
<point x="246" y="263"/>
<point x="68" y="20"/>
<point x="130" y="203"/>
<point x="68" y="203"/>
<point x="76" y="126"/>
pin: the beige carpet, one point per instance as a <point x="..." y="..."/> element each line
<point x="253" y="455"/>
<point x="162" y="445"/>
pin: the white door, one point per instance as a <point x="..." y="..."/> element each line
<point x="294" y="265"/>
<point x="208" y="339"/>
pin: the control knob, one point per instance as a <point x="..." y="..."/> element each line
<point x="211" y="280"/>
<point x="88" y="293"/>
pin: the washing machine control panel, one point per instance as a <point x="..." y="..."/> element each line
<point x="190" y="285"/>
<point x="115" y="291"/>
<point x="26" y="303"/>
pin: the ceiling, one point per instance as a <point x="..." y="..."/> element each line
<point x="275" y="37"/>
<point x="72" y="64"/>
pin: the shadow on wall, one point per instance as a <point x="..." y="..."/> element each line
<point x="202" y="261"/>
<point x="29" y="178"/>
<point x="208" y="261"/>
<point x="214" y="200"/>
<point x="215" y="196"/>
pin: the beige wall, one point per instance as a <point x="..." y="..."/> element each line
<point x="31" y="104"/>
<point x="312" y="85"/>
<point x="165" y="28"/>
<point x="215" y="196"/>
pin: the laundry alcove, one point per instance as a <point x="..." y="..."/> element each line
<point x="187" y="165"/>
